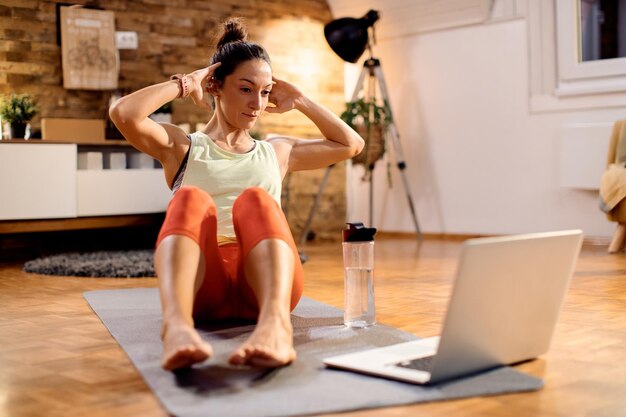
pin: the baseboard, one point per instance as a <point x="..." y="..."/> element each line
<point x="80" y="223"/>
<point x="427" y="236"/>
<point x="596" y="241"/>
<point x="27" y="245"/>
<point x="459" y="237"/>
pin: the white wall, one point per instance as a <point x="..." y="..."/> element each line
<point x="478" y="160"/>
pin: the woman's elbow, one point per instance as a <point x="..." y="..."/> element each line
<point x="357" y="146"/>
<point x="116" y="114"/>
<point x="121" y="116"/>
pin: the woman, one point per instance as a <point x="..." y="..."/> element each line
<point x="225" y="249"/>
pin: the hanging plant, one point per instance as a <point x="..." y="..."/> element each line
<point x="369" y="120"/>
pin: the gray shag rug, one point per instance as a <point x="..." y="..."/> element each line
<point x="111" y="264"/>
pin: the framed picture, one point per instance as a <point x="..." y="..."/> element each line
<point x="90" y="59"/>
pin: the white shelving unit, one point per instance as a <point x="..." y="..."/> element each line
<point x="129" y="191"/>
<point x="41" y="180"/>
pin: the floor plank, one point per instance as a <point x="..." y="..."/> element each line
<point x="57" y="359"/>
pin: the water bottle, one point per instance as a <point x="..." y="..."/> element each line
<point x="358" y="263"/>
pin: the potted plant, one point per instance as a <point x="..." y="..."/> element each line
<point x="370" y="120"/>
<point x="18" y="110"/>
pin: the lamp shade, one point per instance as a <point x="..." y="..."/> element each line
<point x="348" y="36"/>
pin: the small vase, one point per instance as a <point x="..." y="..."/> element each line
<point x="18" y="130"/>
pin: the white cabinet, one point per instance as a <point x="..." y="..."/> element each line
<point x="128" y="191"/>
<point x="37" y="181"/>
<point x="41" y="181"/>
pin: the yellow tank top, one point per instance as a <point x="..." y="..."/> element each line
<point x="224" y="175"/>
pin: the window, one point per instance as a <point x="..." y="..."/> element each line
<point x="602" y="29"/>
<point x="591" y="46"/>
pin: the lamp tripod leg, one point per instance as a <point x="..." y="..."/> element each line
<point x="307" y="226"/>
<point x="316" y="202"/>
<point x="401" y="165"/>
<point x="371" y="179"/>
<point x="395" y="139"/>
<point x="359" y="84"/>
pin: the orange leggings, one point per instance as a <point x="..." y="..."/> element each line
<point x="225" y="292"/>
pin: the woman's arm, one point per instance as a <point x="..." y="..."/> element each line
<point x="130" y="115"/>
<point x="161" y="141"/>
<point x="341" y="141"/>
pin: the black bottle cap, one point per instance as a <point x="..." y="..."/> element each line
<point x="357" y="232"/>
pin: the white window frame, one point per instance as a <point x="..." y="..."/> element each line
<point x="557" y="80"/>
<point x="576" y="77"/>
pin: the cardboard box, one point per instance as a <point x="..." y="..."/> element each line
<point x="73" y="130"/>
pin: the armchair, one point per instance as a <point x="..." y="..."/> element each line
<point x="613" y="185"/>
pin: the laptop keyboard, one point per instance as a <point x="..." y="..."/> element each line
<point x="421" y="364"/>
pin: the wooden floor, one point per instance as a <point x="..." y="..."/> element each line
<point x="57" y="359"/>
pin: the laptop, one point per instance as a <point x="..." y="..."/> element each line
<point x="503" y="310"/>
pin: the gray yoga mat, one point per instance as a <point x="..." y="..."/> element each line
<point x="306" y="387"/>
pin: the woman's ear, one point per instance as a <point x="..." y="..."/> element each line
<point x="212" y="87"/>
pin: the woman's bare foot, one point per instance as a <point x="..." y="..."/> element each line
<point x="270" y="345"/>
<point x="182" y="347"/>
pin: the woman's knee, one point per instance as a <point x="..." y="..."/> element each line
<point x="253" y="197"/>
<point x="192" y="202"/>
<point x="190" y="212"/>
<point x="192" y="196"/>
<point x="255" y="208"/>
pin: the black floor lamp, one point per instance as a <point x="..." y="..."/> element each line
<point x="349" y="37"/>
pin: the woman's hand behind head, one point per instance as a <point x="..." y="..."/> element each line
<point x="199" y="79"/>
<point x="283" y="96"/>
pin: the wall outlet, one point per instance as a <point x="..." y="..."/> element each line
<point x="126" y="40"/>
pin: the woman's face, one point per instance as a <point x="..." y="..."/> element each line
<point x="245" y="93"/>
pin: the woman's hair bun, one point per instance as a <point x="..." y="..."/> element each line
<point x="233" y="30"/>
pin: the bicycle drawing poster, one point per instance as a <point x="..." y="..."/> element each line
<point x="90" y="60"/>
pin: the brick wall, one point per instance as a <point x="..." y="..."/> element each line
<point x="179" y="36"/>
